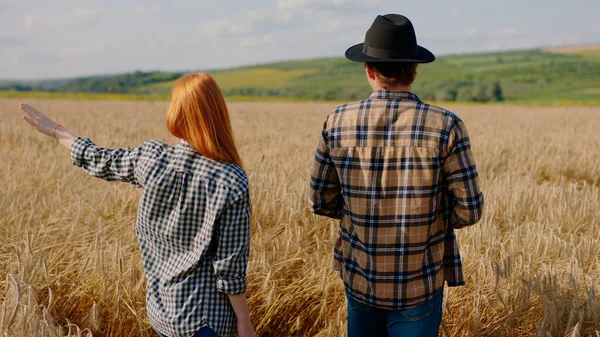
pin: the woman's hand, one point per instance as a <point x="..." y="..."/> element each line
<point x="240" y="307"/>
<point x="245" y="329"/>
<point x="38" y="120"/>
<point x="46" y="126"/>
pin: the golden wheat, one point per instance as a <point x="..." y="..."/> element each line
<point x="70" y="264"/>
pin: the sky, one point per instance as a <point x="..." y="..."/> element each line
<point x="62" y="39"/>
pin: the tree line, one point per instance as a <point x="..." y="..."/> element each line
<point x="137" y="82"/>
<point x="463" y="91"/>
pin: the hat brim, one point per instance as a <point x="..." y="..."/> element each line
<point x="355" y="54"/>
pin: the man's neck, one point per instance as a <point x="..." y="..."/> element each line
<point x="376" y="87"/>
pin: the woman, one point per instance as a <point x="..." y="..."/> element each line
<point x="193" y="223"/>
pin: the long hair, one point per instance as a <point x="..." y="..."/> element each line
<point x="198" y="114"/>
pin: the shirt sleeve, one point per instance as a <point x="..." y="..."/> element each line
<point x="112" y="164"/>
<point x="462" y="179"/>
<point x="325" y="194"/>
<point x="233" y="247"/>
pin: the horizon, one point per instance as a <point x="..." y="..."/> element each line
<point x="543" y="48"/>
<point x="41" y="41"/>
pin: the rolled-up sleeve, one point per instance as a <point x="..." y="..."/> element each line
<point x="233" y="248"/>
<point x="325" y="195"/>
<point x="462" y="179"/>
<point x="122" y="164"/>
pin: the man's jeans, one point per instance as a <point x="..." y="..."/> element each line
<point x="421" y="321"/>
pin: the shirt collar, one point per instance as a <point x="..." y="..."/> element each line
<point x="185" y="145"/>
<point x="391" y="94"/>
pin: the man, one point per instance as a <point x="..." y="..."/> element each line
<point x="400" y="175"/>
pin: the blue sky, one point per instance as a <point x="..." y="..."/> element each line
<point x="39" y="39"/>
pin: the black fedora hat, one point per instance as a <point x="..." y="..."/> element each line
<point x="391" y="38"/>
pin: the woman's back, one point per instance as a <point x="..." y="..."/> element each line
<point x="193" y="229"/>
<point x="193" y="222"/>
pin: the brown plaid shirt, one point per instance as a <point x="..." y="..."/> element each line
<point x="400" y="175"/>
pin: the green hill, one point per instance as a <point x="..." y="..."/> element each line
<point x="571" y="73"/>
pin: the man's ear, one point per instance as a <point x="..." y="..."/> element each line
<point x="370" y="72"/>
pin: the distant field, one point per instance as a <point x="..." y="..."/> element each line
<point x="262" y="77"/>
<point x="591" y="90"/>
<point x="587" y="50"/>
<point x="535" y="75"/>
<point x="79" y="96"/>
<point x="548" y="75"/>
<point x="70" y="266"/>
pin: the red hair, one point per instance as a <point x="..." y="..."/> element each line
<point x="198" y="114"/>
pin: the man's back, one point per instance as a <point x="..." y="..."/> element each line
<point x="393" y="169"/>
<point x="400" y="175"/>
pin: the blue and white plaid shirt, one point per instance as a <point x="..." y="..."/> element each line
<point x="193" y="229"/>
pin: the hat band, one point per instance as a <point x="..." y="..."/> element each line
<point x="388" y="54"/>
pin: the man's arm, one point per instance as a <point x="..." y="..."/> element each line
<point x="325" y="195"/>
<point x="462" y="179"/>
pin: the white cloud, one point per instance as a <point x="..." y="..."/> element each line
<point x="506" y="32"/>
<point x="195" y="5"/>
<point x="325" y="4"/>
<point x="292" y="4"/>
<point x="135" y="10"/>
<point x="76" y="16"/>
<point x="493" y="46"/>
<point x="567" y="39"/>
<point x="248" y="24"/>
<point x="215" y="28"/>
<point x="77" y="52"/>
<point x="472" y="32"/>
<point x="8" y="6"/>
<point x="29" y="21"/>
<point x="257" y="41"/>
<point x="337" y="25"/>
<point x="11" y="41"/>
<point x="58" y="54"/>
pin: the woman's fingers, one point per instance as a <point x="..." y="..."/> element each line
<point x="25" y="110"/>
<point x="37" y="119"/>
<point x="29" y="111"/>
<point x="28" y="120"/>
<point x="27" y="114"/>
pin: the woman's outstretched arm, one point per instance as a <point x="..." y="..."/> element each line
<point x="46" y="126"/>
<point x="108" y="164"/>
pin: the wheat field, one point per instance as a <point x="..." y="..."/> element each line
<point x="70" y="264"/>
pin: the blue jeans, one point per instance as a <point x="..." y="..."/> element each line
<point x="421" y="321"/>
<point x="204" y="332"/>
